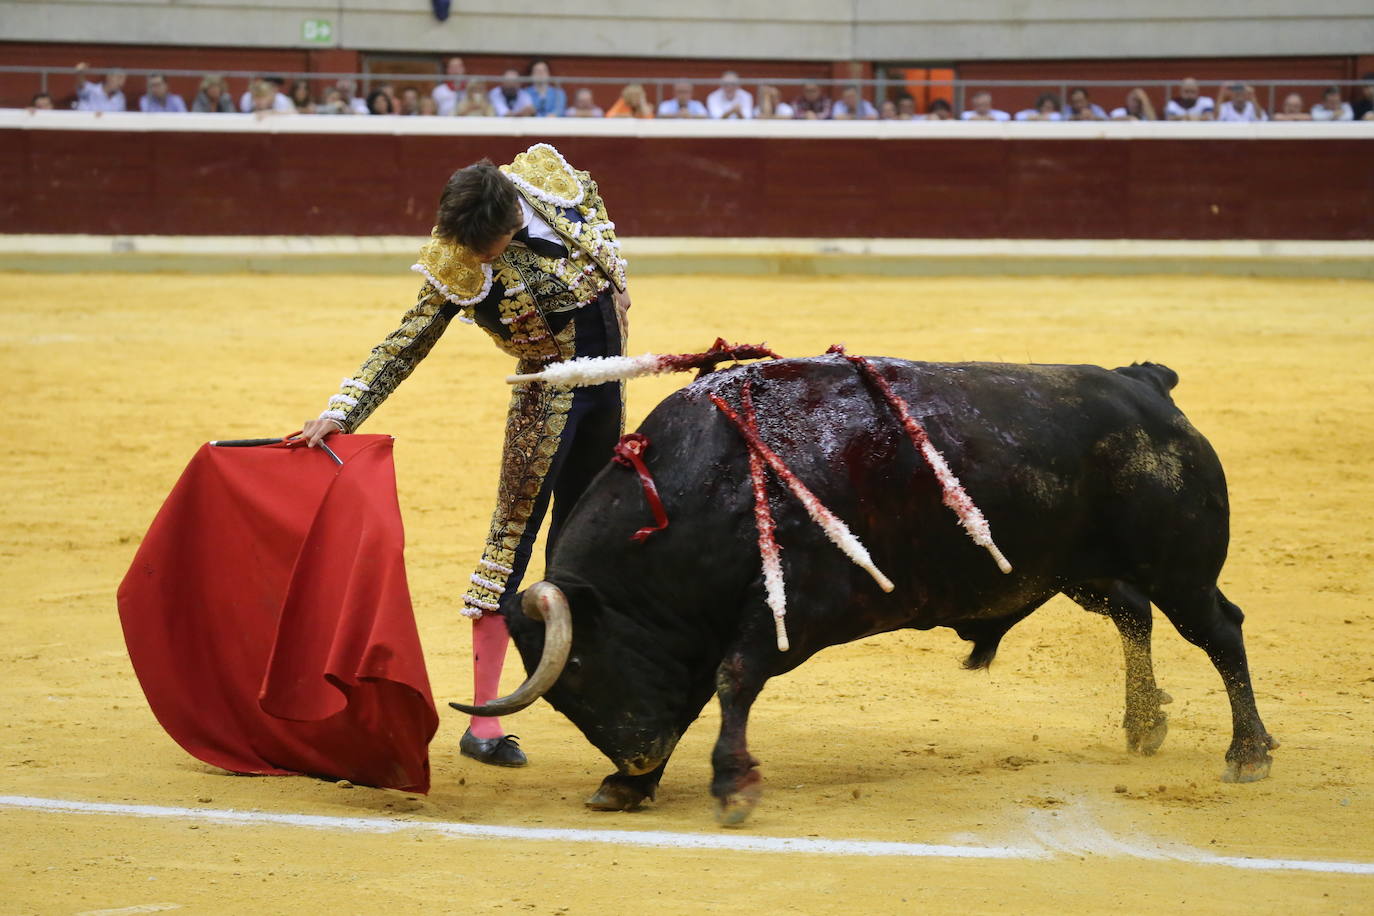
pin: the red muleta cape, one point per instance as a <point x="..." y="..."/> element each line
<point x="268" y="618"/>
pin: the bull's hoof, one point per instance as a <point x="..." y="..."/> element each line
<point x="1146" y="739"/>
<point x="616" y="796"/>
<point x="734" y="809"/>
<point x="1251" y="771"/>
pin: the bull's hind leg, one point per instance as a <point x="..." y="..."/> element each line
<point x="736" y="784"/>
<point x="1207" y="620"/>
<point x="1146" y="724"/>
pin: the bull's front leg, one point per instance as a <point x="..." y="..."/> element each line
<point x="623" y="792"/>
<point x="737" y="784"/>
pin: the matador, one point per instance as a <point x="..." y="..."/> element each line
<point x="527" y="253"/>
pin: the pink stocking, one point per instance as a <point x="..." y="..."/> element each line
<point x="489" y="641"/>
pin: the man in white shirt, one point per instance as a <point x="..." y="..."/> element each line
<point x="682" y="105"/>
<point x="982" y="109"/>
<point x="106" y="95"/>
<point x="1332" y="107"/>
<point x="447" y="93"/>
<point x="1082" y="108"/>
<point x="852" y="107"/>
<point x="509" y="100"/>
<point x="158" y="99"/>
<point x="730" y="101"/>
<point x="1237" y="103"/>
<point x="1190" y="106"/>
<point x="1046" y="109"/>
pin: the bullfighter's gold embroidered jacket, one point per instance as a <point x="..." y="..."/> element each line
<point x="514" y="299"/>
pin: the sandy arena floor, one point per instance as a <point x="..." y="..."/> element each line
<point x="114" y="381"/>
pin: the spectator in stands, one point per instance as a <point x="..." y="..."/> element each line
<point x="158" y="99"/>
<point x="730" y="101"/>
<point x="379" y="102"/>
<point x="1294" y="109"/>
<point x="632" y="104"/>
<point x="447" y="93"/>
<point x="1236" y="102"/>
<point x="264" y="99"/>
<point x="982" y="109"/>
<point x="106" y="95"/>
<point x="1332" y="107"/>
<point x="550" y="101"/>
<point x="682" y="105"/>
<point x="1137" y="108"/>
<point x="812" y="104"/>
<point x="940" y="110"/>
<point x="349" y="90"/>
<point x="249" y="101"/>
<point x="906" y="106"/>
<point x="299" y="94"/>
<point x="771" y="104"/>
<point x="213" y="96"/>
<point x="853" y="107"/>
<point x="584" y="105"/>
<point x="475" y="102"/>
<point x="1189" y="105"/>
<point x="1363" y="109"/>
<point x="427" y="108"/>
<point x="508" y="100"/>
<point x="1046" y="108"/>
<point x="410" y="102"/>
<point x="41" y="101"/>
<point x="334" y="103"/>
<point x="1082" y="108"/>
<point x="887" y="111"/>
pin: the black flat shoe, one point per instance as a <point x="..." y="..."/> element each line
<point x="500" y="752"/>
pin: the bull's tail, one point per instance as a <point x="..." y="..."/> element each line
<point x="1159" y="376"/>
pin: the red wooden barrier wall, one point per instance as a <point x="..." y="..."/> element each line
<point x="118" y="182"/>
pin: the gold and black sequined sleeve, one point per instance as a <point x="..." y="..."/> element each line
<point x="392" y="360"/>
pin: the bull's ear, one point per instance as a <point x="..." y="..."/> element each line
<point x="541" y="601"/>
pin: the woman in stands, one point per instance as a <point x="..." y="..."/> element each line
<point x="475" y="102"/>
<point x="631" y="104"/>
<point x="213" y="96"/>
<point x="379" y="102"/>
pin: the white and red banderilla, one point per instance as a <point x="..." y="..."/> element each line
<point x="954" y="495"/>
<point x="835" y="529"/>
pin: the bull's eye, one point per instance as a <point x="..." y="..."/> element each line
<point x="574" y="663"/>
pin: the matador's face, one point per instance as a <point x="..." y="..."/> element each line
<point x="496" y="248"/>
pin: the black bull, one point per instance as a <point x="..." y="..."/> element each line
<point x="1094" y="484"/>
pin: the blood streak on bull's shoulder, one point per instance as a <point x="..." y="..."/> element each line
<point x="954" y="495"/>
<point x="834" y="528"/>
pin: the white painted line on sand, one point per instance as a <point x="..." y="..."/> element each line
<point x="1074" y="831"/>
<point x="1074" y="834"/>
<point x="652" y="838"/>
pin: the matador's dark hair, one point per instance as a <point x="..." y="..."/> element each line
<point x="478" y="206"/>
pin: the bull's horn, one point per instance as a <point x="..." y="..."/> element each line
<point x="543" y="601"/>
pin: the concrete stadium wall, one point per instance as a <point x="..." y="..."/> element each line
<point x="831" y="30"/>
<point x="146" y="174"/>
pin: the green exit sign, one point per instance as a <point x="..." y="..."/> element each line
<point x="317" y="32"/>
